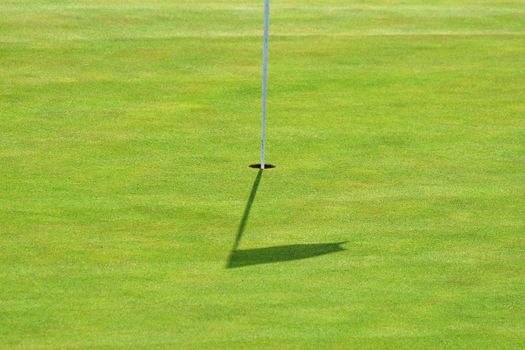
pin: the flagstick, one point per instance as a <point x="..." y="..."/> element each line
<point x="265" y="75"/>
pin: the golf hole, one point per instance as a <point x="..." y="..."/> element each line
<point x="258" y="166"/>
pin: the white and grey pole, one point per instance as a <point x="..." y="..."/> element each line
<point x="265" y="75"/>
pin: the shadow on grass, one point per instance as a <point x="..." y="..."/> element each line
<point x="245" y="257"/>
<point x="247" y="209"/>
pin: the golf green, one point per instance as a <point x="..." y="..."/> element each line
<point x="394" y="218"/>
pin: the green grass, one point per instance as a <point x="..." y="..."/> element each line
<point x="126" y="128"/>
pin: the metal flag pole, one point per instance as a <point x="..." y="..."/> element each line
<point x="265" y="75"/>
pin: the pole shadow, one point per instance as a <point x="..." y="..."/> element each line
<point x="247" y="209"/>
<point x="246" y="257"/>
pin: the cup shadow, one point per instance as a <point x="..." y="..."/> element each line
<point x="245" y="257"/>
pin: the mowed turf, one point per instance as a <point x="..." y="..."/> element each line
<point x="126" y="129"/>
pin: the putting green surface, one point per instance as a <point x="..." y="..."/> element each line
<point x="129" y="218"/>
